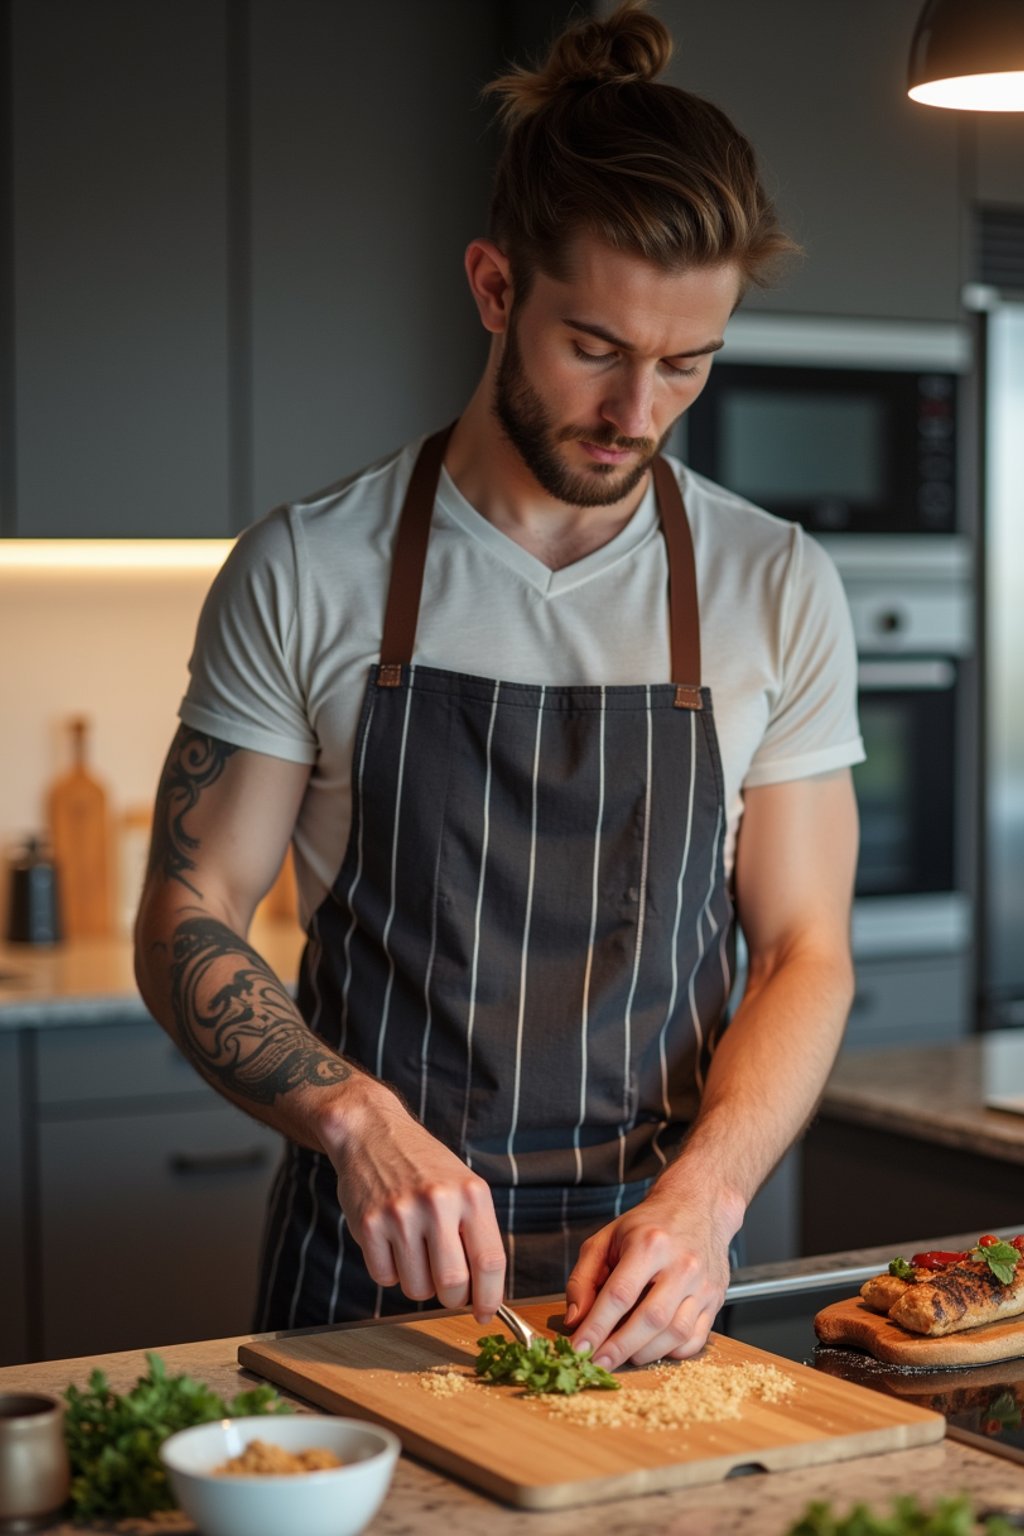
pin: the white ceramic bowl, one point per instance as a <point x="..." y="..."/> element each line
<point x="339" y="1501"/>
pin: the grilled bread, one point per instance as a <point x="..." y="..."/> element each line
<point x="965" y="1295"/>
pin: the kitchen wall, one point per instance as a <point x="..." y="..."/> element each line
<point x="111" y="646"/>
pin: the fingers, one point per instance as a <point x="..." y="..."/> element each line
<point x="481" y="1242"/>
<point x="590" y="1273"/>
<point x="439" y="1241"/>
<point x="681" y="1340"/>
<point x="660" y="1300"/>
<point x="644" y="1255"/>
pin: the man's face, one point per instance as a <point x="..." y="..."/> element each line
<point x="595" y="371"/>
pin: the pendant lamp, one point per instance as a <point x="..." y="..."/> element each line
<point x="969" y="54"/>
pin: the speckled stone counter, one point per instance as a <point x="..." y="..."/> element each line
<point x="424" y="1501"/>
<point x="934" y="1094"/>
<point x="92" y="981"/>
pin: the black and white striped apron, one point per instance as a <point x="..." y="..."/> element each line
<point x="530" y="937"/>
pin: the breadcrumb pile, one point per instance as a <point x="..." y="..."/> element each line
<point x="446" y="1381"/>
<point x="686" y="1392"/>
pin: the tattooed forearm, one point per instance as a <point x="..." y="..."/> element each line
<point x="237" y="1023"/>
<point x="194" y="763"/>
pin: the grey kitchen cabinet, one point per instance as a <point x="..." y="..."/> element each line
<point x="149" y="1226"/>
<point x="363" y="199"/>
<point x="908" y="1000"/>
<point x="13" y="1270"/>
<point x="150" y="1192"/>
<point x="238" y="247"/>
<point x="237" y="230"/>
<point x="121" y="416"/>
<point x="866" y="179"/>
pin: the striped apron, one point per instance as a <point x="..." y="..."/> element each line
<point x="530" y="937"/>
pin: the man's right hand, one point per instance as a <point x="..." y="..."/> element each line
<point x="423" y="1219"/>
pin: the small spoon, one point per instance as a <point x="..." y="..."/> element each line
<point x="517" y="1326"/>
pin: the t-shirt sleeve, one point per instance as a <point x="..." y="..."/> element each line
<point x="244" y="685"/>
<point x="813" y="726"/>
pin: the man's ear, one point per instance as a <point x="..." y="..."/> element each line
<point x="489" y="276"/>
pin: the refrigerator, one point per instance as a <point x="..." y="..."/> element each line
<point x="1001" y="904"/>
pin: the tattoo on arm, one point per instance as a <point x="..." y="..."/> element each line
<point x="237" y="1023"/>
<point x="194" y="763"/>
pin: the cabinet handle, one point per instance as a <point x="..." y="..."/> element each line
<point x="218" y="1162"/>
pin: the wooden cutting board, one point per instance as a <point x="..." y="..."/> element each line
<point x="851" y="1322"/>
<point x="515" y="1449"/>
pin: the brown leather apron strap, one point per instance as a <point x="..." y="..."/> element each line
<point x="410" y="557"/>
<point x="683" y="612"/>
<point x="409" y="560"/>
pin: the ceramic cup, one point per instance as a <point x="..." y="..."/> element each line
<point x="34" y="1473"/>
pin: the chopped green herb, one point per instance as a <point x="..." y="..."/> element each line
<point x="1001" y="1258"/>
<point x="901" y="1268"/>
<point x="113" y="1439"/>
<point x="949" y="1517"/>
<point x="543" y="1366"/>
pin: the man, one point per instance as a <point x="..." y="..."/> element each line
<point x="538" y="707"/>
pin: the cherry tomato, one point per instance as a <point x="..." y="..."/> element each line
<point x="991" y="1426"/>
<point x="937" y="1258"/>
<point x="1018" y="1243"/>
<point x="988" y="1240"/>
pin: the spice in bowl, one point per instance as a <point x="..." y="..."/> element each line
<point x="261" y="1459"/>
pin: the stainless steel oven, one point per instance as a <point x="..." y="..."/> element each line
<point x="912" y="607"/>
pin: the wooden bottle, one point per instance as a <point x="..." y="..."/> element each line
<point x="80" y="835"/>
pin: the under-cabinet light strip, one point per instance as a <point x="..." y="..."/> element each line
<point x="113" y="554"/>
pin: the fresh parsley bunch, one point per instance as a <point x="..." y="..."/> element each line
<point x="113" y="1439"/>
<point x="543" y="1366"/>
<point x="949" y="1517"/>
<point x="901" y="1268"/>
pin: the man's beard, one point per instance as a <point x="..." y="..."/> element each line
<point x="530" y="430"/>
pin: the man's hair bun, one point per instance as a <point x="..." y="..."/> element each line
<point x="627" y="47"/>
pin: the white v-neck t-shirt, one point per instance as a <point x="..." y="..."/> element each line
<point x="293" y="623"/>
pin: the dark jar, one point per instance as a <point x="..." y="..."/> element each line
<point x="33" y="912"/>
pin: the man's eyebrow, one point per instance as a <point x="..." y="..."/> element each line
<point x="627" y="346"/>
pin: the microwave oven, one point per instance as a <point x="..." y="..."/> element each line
<point x="843" y="425"/>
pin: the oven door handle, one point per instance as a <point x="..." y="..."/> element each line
<point x="933" y="675"/>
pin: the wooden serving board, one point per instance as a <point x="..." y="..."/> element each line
<point x="851" y="1322"/>
<point x="513" y="1448"/>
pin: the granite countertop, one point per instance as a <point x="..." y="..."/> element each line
<point x="92" y="981"/>
<point x="933" y="1093"/>
<point x="423" y="1500"/>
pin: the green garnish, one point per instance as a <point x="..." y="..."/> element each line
<point x="1005" y="1410"/>
<point x="949" y="1517"/>
<point x="901" y="1268"/>
<point x="113" y="1438"/>
<point x="1001" y="1258"/>
<point x="544" y="1366"/>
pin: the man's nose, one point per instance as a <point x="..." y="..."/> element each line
<point x="629" y="404"/>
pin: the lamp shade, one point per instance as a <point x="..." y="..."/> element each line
<point x="969" y="54"/>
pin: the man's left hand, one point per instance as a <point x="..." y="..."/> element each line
<point x="648" y="1285"/>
